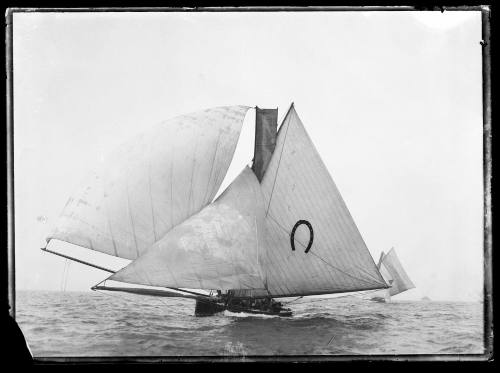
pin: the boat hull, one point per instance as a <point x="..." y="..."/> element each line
<point x="210" y="308"/>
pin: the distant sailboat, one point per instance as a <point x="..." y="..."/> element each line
<point x="391" y="269"/>
<point x="280" y="229"/>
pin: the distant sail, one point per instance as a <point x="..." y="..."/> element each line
<point x="298" y="190"/>
<point x="382" y="294"/>
<point x="152" y="183"/>
<point x="400" y="280"/>
<point x="384" y="271"/>
<point x="221" y="247"/>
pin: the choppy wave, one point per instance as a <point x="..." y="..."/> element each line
<point x="97" y="324"/>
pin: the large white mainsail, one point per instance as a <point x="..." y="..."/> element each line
<point x="152" y="183"/>
<point x="221" y="247"/>
<point x="300" y="193"/>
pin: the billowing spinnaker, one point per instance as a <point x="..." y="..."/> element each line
<point x="401" y="282"/>
<point x="221" y="247"/>
<point x="297" y="187"/>
<point x="152" y="183"/>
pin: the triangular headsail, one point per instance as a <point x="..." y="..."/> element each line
<point x="399" y="278"/>
<point x="304" y="208"/>
<point x="221" y="247"/>
<point x="152" y="183"/>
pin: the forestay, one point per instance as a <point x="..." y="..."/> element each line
<point x="299" y="192"/>
<point x="152" y="183"/>
<point x="401" y="282"/>
<point x="221" y="247"/>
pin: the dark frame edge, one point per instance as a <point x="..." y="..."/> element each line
<point x="487" y="174"/>
<point x="288" y="8"/>
<point x="11" y="273"/>
<point x="487" y="164"/>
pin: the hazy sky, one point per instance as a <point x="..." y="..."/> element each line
<point x="391" y="100"/>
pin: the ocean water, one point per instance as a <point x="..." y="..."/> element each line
<point x="76" y="324"/>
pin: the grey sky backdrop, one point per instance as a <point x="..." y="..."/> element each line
<point x="392" y="101"/>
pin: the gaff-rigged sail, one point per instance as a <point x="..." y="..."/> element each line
<point x="300" y="193"/>
<point x="221" y="247"/>
<point x="152" y="183"/>
<point x="400" y="280"/>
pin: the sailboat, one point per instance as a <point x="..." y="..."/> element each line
<point x="394" y="274"/>
<point x="281" y="228"/>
